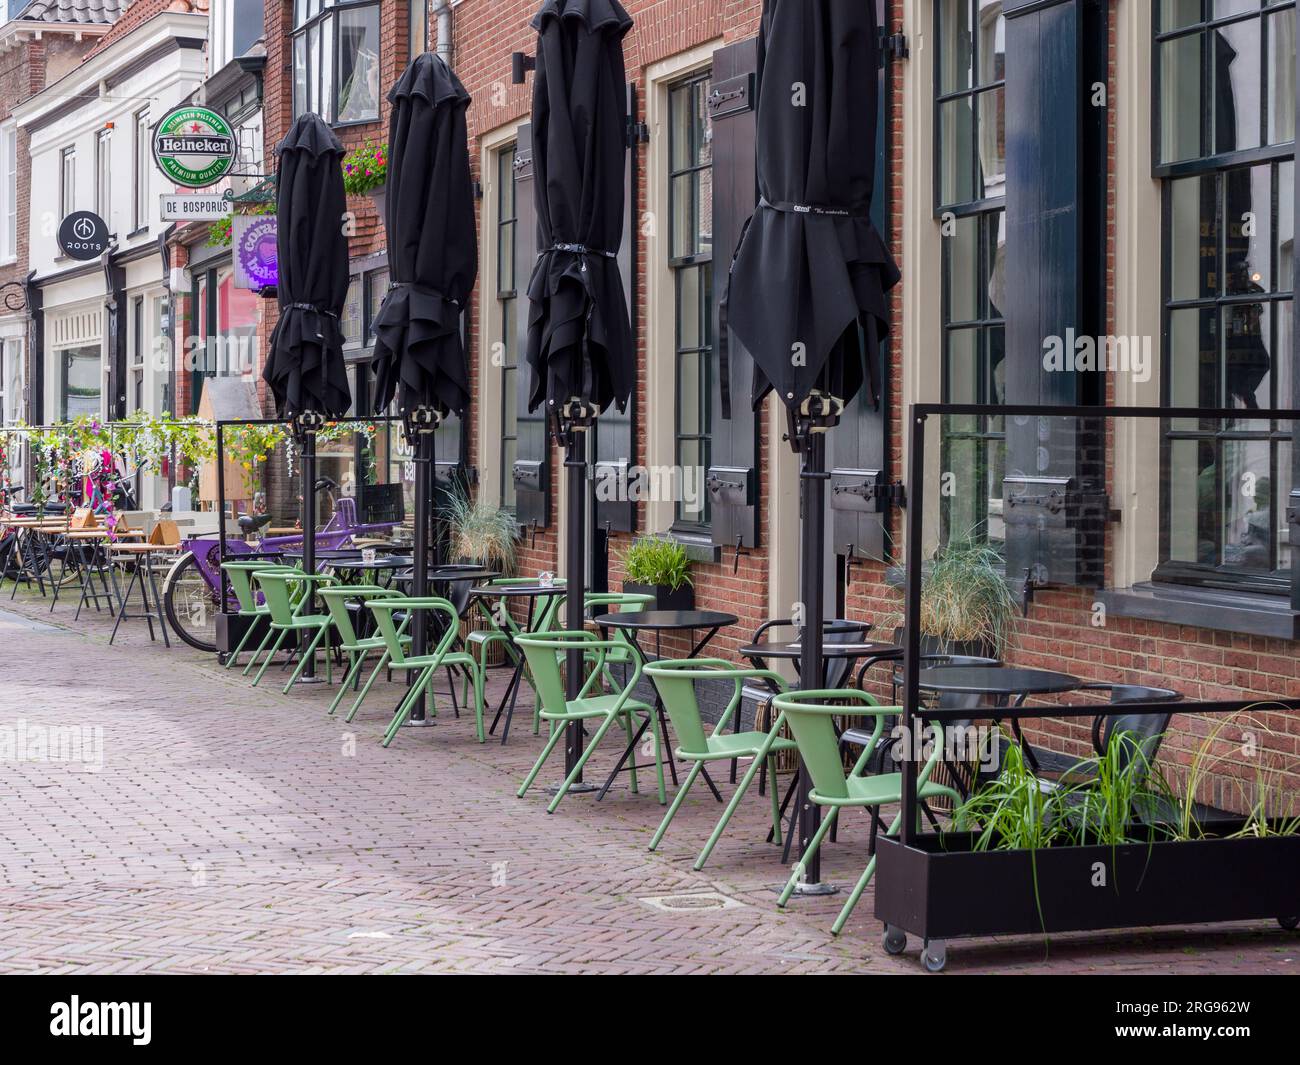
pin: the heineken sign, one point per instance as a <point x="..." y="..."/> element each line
<point x="194" y="146"/>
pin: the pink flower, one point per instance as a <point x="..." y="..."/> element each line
<point x="369" y="173"/>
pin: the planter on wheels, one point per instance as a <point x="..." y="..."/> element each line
<point x="941" y="889"/>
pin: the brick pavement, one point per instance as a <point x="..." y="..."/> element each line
<point x="240" y="830"/>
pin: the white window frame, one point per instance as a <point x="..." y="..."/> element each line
<point x="8" y="192"/>
<point x="104" y="173"/>
<point x="67" y="180"/>
<point x="143" y="164"/>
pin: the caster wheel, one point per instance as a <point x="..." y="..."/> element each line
<point x="1289" y="923"/>
<point x="934" y="956"/>
<point x="894" y="940"/>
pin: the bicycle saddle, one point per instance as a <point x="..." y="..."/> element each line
<point x="252" y="522"/>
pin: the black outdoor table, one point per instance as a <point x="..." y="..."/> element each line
<point x="660" y="621"/>
<point x="757" y="653"/>
<point x="1001" y="682"/>
<point x="533" y="593"/>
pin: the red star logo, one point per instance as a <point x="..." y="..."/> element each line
<point x="195" y="128"/>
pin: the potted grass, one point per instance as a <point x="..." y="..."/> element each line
<point x="482" y="532"/>
<point x="966" y="606"/>
<point x="657" y="566"/>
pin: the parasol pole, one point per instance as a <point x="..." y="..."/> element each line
<point x="818" y="414"/>
<point x="304" y="427"/>
<point x="421" y="424"/>
<point x="576" y="419"/>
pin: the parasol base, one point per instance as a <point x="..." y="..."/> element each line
<point x="822" y="887"/>
<point x="422" y="722"/>
<point x="304" y="679"/>
<point x="580" y="788"/>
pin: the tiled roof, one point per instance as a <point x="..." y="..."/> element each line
<point x="138" y="12"/>
<point x="102" y="12"/>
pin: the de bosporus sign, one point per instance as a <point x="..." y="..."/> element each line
<point x="194" y="146"/>
<point x="83" y="235"/>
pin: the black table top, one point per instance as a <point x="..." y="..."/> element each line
<point x="996" y="680"/>
<point x="867" y="649"/>
<point x="517" y="591"/>
<point x="388" y="562"/>
<point x="666" y="620"/>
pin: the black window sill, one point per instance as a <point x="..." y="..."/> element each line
<point x="1250" y="613"/>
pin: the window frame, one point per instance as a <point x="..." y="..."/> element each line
<point x="67" y="180"/>
<point x="694" y="86"/>
<point x="1277" y="580"/>
<point x="143" y="164"/>
<point x="8" y="192"/>
<point x="329" y="12"/>
<point x="104" y="173"/>
<point x="507" y="305"/>
<point x="989" y="215"/>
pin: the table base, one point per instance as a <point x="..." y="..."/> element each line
<point x="823" y="887"/>
<point x="581" y="787"/>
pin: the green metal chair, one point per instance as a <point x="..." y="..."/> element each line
<point x="279" y="587"/>
<point x="442" y="656"/>
<point x="675" y="682"/>
<point x="240" y="575"/>
<point x="545" y="654"/>
<point x="811" y="717"/>
<point x="357" y="648"/>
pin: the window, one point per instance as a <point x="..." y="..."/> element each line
<point x="103" y="170"/>
<point x="419" y="27"/>
<point x="80" y="381"/>
<point x="690" y="224"/>
<point x="970" y="198"/>
<point x="336" y="60"/>
<point x="67" y="182"/>
<point x="224" y="323"/>
<point x="8" y="193"/>
<point x="1225" y="149"/>
<point x="507" y="310"/>
<point x="366" y="291"/>
<point x="136" y="393"/>
<point x="143" y="164"/>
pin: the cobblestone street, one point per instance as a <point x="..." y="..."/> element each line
<point x="232" y="829"/>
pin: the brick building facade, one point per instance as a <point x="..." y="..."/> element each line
<point x="1208" y="643"/>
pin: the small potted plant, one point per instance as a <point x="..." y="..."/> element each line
<point x="482" y="532"/>
<point x="365" y="173"/>
<point x="658" y="566"/>
<point x="966" y="606"/>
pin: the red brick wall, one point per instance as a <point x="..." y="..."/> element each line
<point x="1202" y="663"/>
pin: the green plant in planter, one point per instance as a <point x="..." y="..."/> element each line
<point x="365" y="168"/>
<point x="482" y="532"/>
<point x="655" y="560"/>
<point x="964" y="595"/>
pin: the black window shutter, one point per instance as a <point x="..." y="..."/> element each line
<point x="615" y="431"/>
<point x="1293" y="503"/>
<point x="732" y="479"/>
<point x="452" y="472"/>
<point x="1054" y="500"/>
<point x="859" y="452"/>
<point x="532" y="456"/>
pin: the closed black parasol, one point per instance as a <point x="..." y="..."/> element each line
<point x="579" y="337"/>
<point x="432" y="243"/>
<point x="808" y="289"/>
<point x="305" y="365"/>
<point x="433" y="261"/>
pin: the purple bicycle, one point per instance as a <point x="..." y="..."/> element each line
<point x="192" y="587"/>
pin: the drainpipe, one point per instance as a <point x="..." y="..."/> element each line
<point x="443" y="14"/>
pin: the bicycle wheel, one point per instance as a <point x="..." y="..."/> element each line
<point x="189" y="604"/>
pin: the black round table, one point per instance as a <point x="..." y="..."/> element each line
<point x="632" y="622"/>
<point x="533" y="592"/>
<point x="996" y="680"/>
<point x="794" y="650"/>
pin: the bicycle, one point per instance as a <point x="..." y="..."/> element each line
<point x="191" y="589"/>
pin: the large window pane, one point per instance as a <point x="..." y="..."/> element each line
<point x="956" y="151"/>
<point x="1235" y="67"/>
<point x="1281" y="76"/>
<point x="358" y="64"/>
<point x="80" y="382"/>
<point x="1180" y="98"/>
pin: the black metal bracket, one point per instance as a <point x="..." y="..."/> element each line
<point x="735" y="563"/>
<point x="818" y="413"/>
<point x="893" y="45"/>
<point x="637" y="132"/>
<point x="15" y="300"/>
<point x="1293" y="509"/>
<point x="304" y="422"/>
<point x="419" y="420"/>
<point x="520" y="64"/>
<point x="866" y="491"/>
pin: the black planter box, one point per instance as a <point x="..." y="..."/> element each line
<point x="940" y="889"/>
<point x="665" y="599"/>
<point x="231" y="629"/>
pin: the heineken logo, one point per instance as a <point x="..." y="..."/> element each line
<point x="194" y="146"/>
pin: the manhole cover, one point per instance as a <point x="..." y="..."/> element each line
<point x="703" y="900"/>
